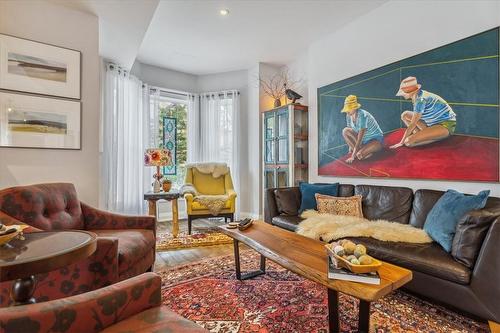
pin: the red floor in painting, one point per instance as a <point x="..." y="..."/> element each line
<point x="457" y="158"/>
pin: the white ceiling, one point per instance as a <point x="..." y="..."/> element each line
<point x="122" y="25"/>
<point x="191" y="36"/>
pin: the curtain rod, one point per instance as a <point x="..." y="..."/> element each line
<point x="170" y="91"/>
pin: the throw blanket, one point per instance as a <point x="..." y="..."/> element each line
<point x="331" y="227"/>
<point x="216" y="169"/>
<point x="214" y="203"/>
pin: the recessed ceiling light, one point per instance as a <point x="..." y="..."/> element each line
<point x="224" y="12"/>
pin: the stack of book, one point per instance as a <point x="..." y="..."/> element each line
<point x="338" y="273"/>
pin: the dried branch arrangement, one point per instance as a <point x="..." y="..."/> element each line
<point x="275" y="85"/>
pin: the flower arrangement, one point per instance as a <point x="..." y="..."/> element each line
<point x="157" y="157"/>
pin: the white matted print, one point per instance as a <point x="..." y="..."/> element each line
<point x="39" y="122"/>
<point x="39" y="68"/>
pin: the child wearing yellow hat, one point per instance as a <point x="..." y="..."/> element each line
<point x="362" y="134"/>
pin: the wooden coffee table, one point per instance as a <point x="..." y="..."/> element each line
<point x="308" y="258"/>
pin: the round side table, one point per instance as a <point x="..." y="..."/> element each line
<point x="41" y="252"/>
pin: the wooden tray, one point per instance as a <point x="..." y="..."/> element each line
<point x="358" y="269"/>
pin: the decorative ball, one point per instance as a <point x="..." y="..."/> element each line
<point x="365" y="260"/>
<point x="339" y="250"/>
<point x="355" y="261"/>
<point x="349" y="258"/>
<point x="349" y="247"/>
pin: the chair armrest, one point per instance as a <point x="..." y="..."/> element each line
<point x="98" y="219"/>
<point x="189" y="197"/>
<point x="486" y="272"/>
<point x="231" y="193"/>
<point x="89" y="312"/>
<point x="9" y="220"/>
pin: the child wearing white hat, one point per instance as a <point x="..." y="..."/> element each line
<point x="431" y="120"/>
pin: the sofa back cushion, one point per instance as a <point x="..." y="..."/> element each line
<point x="44" y="206"/>
<point x="423" y="202"/>
<point x="386" y="202"/>
<point x="207" y="184"/>
<point x="287" y="200"/>
<point x="346" y="190"/>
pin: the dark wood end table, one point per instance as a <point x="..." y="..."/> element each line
<point x="172" y="195"/>
<point x="41" y="252"/>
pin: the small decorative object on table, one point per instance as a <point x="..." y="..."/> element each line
<point x="244" y="224"/>
<point x="166" y="185"/>
<point x="157" y="157"/>
<point x="353" y="257"/>
<point x="8" y="233"/>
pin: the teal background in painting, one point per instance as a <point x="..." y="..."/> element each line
<point x="465" y="73"/>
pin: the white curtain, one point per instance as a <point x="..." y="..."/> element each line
<point x="193" y="130"/>
<point x="126" y="133"/>
<point x="219" y="130"/>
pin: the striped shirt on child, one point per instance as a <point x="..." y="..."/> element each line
<point x="366" y="120"/>
<point x="433" y="108"/>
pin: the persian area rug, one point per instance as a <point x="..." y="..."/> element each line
<point x="165" y="241"/>
<point x="208" y="293"/>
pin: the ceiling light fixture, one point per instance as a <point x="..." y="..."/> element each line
<point x="224" y="12"/>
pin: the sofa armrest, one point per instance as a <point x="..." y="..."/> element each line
<point x="9" y="220"/>
<point x="89" y="312"/>
<point x="98" y="219"/>
<point x="270" y="206"/>
<point x="486" y="272"/>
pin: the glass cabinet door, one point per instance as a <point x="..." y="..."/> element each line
<point x="282" y="177"/>
<point x="269" y="178"/>
<point x="269" y="135"/>
<point x="282" y="136"/>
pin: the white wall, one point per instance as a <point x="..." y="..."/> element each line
<point x="57" y="25"/>
<point x="394" y="31"/>
<point x="165" y="78"/>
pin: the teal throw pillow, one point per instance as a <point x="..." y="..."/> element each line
<point x="443" y="218"/>
<point x="308" y="192"/>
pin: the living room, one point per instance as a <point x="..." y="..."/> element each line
<point x="174" y="166"/>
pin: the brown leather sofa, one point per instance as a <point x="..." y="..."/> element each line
<point x="436" y="274"/>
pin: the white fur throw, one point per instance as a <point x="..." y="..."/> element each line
<point x="331" y="227"/>
<point x="216" y="169"/>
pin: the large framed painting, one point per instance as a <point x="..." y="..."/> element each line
<point x="34" y="67"/>
<point x="431" y="116"/>
<point x="38" y="122"/>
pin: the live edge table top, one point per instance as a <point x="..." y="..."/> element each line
<point x="308" y="258"/>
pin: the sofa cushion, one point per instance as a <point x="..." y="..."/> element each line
<point x="425" y="258"/>
<point x="347" y="206"/>
<point x="287" y="200"/>
<point x="469" y="235"/>
<point x="442" y="220"/>
<point x="308" y="192"/>
<point x="134" y="245"/>
<point x="423" y="202"/>
<point x="43" y="206"/>
<point x="158" y="319"/>
<point x="385" y="202"/>
<point x="287" y="222"/>
<point x="346" y="190"/>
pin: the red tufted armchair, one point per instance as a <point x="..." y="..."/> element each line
<point x="125" y="245"/>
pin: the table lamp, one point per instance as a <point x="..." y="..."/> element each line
<point x="157" y="157"/>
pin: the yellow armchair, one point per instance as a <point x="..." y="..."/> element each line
<point x="207" y="185"/>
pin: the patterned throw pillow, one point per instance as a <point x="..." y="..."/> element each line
<point x="349" y="206"/>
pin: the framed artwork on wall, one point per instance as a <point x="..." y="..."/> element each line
<point x="33" y="67"/>
<point x="28" y="121"/>
<point x="433" y="116"/>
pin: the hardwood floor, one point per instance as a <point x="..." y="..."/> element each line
<point x="166" y="259"/>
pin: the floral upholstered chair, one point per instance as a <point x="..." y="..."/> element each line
<point x="125" y="244"/>
<point x="208" y="191"/>
<point x="133" y="305"/>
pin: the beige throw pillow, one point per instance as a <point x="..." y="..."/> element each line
<point x="348" y="206"/>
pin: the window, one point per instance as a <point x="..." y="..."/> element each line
<point x="172" y="134"/>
